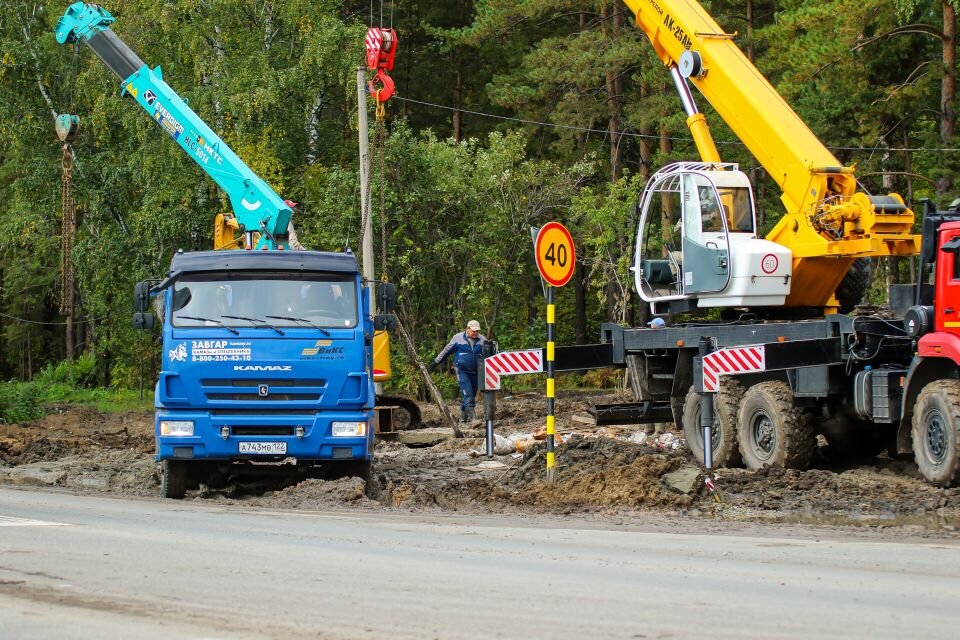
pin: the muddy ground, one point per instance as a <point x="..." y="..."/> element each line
<point x="609" y="472"/>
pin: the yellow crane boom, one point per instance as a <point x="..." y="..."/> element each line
<point x="828" y="223"/>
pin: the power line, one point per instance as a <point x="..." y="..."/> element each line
<point x="24" y="320"/>
<point x="656" y="137"/>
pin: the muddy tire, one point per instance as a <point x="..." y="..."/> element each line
<point x="936" y="432"/>
<point x="362" y="469"/>
<point x="407" y="412"/>
<point x="726" y="449"/>
<point x="854" y="285"/>
<point x="173" y="479"/>
<point x="771" y="430"/>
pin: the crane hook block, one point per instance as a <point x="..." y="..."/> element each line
<point x="67" y="125"/>
<point x="381" y="48"/>
<point x="386" y="89"/>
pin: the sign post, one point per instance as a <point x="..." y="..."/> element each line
<point x="556" y="259"/>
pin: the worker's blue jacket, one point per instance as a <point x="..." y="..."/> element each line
<point x="465" y="355"/>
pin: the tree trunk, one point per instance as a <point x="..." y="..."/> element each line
<point x="457" y="105"/>
<point x="612" y="20"/>
<point x="646" y="146"/>
<point x="948" y="89"/>
<point x="267" y="26"/>
<point x="580" y="296"/>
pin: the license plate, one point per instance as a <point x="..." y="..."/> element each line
<point x="264" y="448"/>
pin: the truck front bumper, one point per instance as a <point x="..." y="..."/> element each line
<point x="225" y="437"/>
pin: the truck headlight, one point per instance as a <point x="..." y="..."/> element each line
<point x="176" y="427"/>
<point x="349" y="429"/>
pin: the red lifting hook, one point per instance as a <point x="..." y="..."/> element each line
<point x="381" y="49"/>
<point x="385" y="92"/>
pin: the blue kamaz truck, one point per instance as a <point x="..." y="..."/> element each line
<point x="267" y="353"/>
<point x="267" y="358"/>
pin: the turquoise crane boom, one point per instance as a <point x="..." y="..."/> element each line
<point x="256" y="206"/>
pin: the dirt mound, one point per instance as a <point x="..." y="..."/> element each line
<point x="74" y="430"/>
<point x="856" y="493"/>
<point x="595" y="472"/>
<point x="607" y="470"/>
<point x="317" y="494"/>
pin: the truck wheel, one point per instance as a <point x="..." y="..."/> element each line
<point x="772" y="430"/>
<point x="407" y="412"/>
<point x="362" y="469"/>
<point x="854" y="285"/>
<point x="726" y="451"/>
<point x="173" y="479"/>
<point x="936" y="432"/>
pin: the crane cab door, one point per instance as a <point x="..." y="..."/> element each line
<point x="683" y="242"/>
<point x="706" y="257"/>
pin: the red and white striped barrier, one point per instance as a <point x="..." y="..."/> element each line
<point x="510" y="363"/>
<point x="731" y="361"/>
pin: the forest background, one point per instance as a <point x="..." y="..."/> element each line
<point x="508" y="114"/>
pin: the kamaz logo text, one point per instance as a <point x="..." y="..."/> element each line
<point x="262" y="367"/>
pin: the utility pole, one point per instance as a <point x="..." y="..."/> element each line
<point x="366" y="216"/>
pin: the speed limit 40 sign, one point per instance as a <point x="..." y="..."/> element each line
<point x="556" y="256"/>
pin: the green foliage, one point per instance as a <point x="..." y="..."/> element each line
<point x="277" y="81"/>
<point x="71" y="373"/>
<point x="19" y="401"/>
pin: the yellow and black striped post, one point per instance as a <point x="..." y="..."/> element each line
<point x="556" y="260"/>
<point x="551" y="418"/>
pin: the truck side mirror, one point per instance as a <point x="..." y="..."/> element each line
<point x="143" y="321"/>
<point x="141" y="297"/>
<point x="385" y="322"/>
<point x="951" y="246"/>
<point x="386" y="297"/>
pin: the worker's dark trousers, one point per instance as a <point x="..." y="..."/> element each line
<point x="468" y="391"/>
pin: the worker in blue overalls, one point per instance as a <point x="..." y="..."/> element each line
<point x="467" y="348"/>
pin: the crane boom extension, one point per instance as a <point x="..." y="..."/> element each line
<point x="828" y="223"/>
<point x="256" y="206"/>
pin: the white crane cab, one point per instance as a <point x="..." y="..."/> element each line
<point x="697" y="244"/>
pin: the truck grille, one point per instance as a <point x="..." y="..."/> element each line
<point x="256" y="397"/>
<point x="262" y="430"/>
<point x="247" y="390"/>
<point x="286" y="382"/>
<point x="242" y="413"/>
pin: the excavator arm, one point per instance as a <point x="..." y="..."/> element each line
<point x="258" y="212"/>
<point x="828" y="223"/>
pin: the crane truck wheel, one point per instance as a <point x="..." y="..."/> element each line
<point x="936" y="432"/>
<point x="854" y="285"/>
<point x="772" y="430"/>
<point x="173" y="479"/>
<point x="726" y="450"/>
<point x="406" y="414"/>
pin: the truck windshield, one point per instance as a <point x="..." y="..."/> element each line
<point x="322" y="300"/>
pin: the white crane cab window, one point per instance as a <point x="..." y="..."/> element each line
<point x="685" y="219"/>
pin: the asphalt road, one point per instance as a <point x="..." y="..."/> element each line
<point x="88" y="567"/>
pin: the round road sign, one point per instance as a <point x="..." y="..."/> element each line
<point x="556" y="256"/>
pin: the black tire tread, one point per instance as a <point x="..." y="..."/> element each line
<point x="854" y="285"/>
<point x="173" y="479"/>
<point x="949" y="475"/>
<point x="727" y="402"/>
<point x="796" y="441"/>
